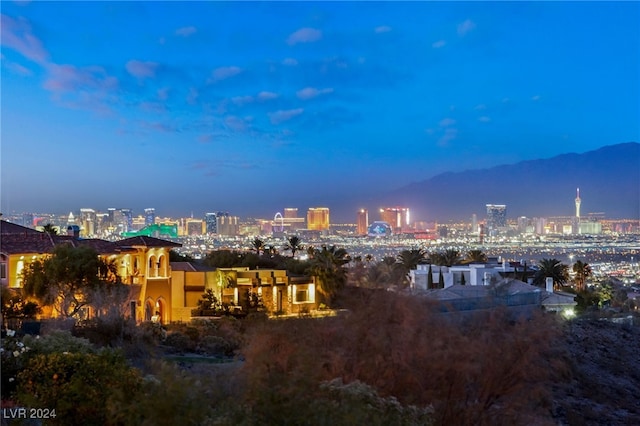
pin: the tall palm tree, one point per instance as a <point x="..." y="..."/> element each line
<point x="582" y="271"/>
<point x="551" y="268"/>
<point x="49" y="229"/>
<point x="258" y="245"/>
<point x="448" y="257"/>
<point x="328" y="266"/>
<point x="409" y="259"/>
<point x="294" y="244"/>
<point x="379" y="275"/>
<point x="475" y="256"/>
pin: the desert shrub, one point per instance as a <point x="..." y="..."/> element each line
<point x="17" y="352"/>
<point x="358" y="403"/>
<point x="179" y="342"/>
<point x="58" y="341"/>
<point x="493" y="369"/>
<point x="109" y="331"/>
<point x="82" y="388"/>
<point x="215" y="345"/>
<point x="168" y="396"/>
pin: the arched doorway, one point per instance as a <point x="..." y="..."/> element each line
<point x="148" y="310"/>
<point x="161" y="310"/>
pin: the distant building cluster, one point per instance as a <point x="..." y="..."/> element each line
<point x="394" y="220"/>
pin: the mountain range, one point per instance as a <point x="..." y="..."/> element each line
<point x="608" y="178"/>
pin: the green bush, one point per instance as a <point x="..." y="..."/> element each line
<point x="83" y="388"/>
<point x="17" y="352"/>
<point x="215" y="345"/>
<point x="179" y="342"/>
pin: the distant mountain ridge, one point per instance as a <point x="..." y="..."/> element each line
<point x="608" y="178"/>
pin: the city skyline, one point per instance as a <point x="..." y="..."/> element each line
<point x="258" y="106"/>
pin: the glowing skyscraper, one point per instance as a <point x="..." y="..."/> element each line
<point x="318" y="218"/>
<point x="578" y="205"/>
<point x="362" y="221"/>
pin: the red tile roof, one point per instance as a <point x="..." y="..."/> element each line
<point x="13" y="228"/>
<point x="16" y="239"/>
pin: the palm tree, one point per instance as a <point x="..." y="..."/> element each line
<point x="409" y="259"/>
<point x="448" y="257"/>
<point x="258" y="245"/>
<point x="294" y="244"/>
<point x="50" y="229"/>
<point x="582" y="271"/>
<point x="328" y="266"/>
<point x="475" y="256"/>
<point x="551" y="268"/>
<point x="379" y="275"/>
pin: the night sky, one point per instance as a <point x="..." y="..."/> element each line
<point x="252" y="107"/>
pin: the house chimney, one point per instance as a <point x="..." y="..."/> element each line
<point x="549" y="283"/>
<point x="73" y="231"/>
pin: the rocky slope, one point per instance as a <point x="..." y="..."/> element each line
<point x="605" y="384"/>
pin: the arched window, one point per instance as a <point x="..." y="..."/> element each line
<point x="153" y="267"/>
<point x="148" y="310"/>
<point x="161" y="266"/>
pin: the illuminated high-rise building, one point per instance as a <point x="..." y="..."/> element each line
<point x="149" y="216"/>
<point x="362" y="221"/>
<point x="87" y="222"/>
<point x="211" y="223"/>
<point x="396" y="217"/>
<point x="578" y="201"/>
<point x="290" y="213"/>
<point x="318" y="218"/>
<point x="127" y="219"/>
<point x="228" y="225"/>
<point x="496" y="217"/>
<point x="194" y="227"/>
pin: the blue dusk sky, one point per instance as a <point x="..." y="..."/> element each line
<point x="252" y="107"/>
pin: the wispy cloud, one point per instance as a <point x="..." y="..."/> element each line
<point x="480" y="107"/>
<point x="69" y="78"/>
<point x="242" y="100"/>
<point x="446" y="122"/>
<point x="163" y="93"/>
<point x="465" y="27"/>
<point x="152" y="106"/>
<point x="192" y="96"/>
<point x="382" y="29"/>
<point x="304" y="35"/>
<point x="159" y="126"/>
<point x="141" y="69"/>
<point x="266" y="96"/>
<point x="16" y="34"/>
<point x="449" y="135"/>
<point x="223" y="73"/>
<point x="15" y="68"/>
<point x="438" y="44"/>
<point x="312" y="92"/>
<point x="281" y="116"/>
<point x="484" y="119"/>
<point x="536" y="98"/>
<point x="235" y="124"/>
<point x="291" y="62"/>
<point x="186" y="31"/>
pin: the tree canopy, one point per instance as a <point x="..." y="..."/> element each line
<point x="552" y="268"/>
<point x="70" y="279"/>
